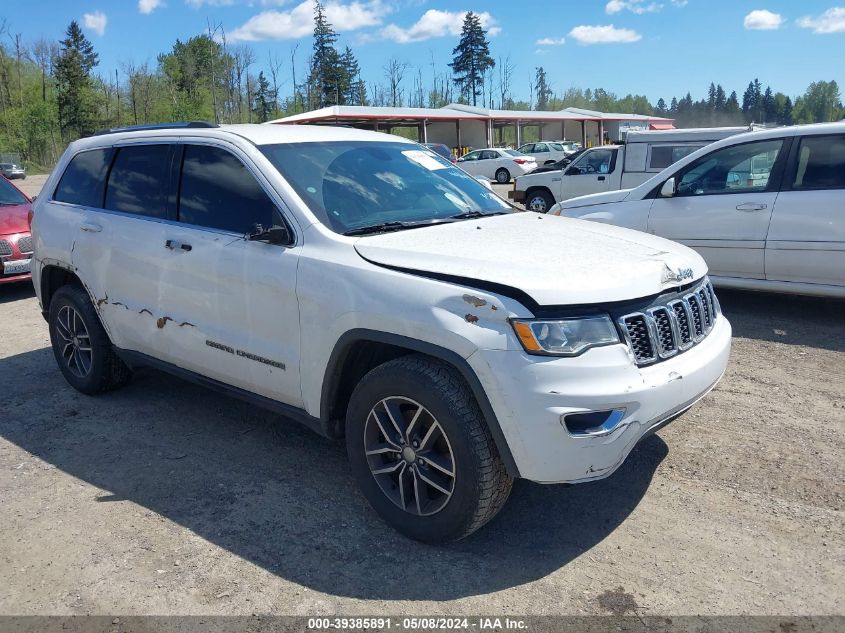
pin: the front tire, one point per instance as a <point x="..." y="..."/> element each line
<point x="503" y="176"/>
<point x="81" y="346"/>
<point x="539" y="201"/>
<point x="421" y="451"/>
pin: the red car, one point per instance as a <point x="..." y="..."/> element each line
<point x="15" y="238"/>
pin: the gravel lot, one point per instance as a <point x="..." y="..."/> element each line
<point x="164" y="498"/>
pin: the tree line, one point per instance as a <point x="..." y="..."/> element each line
<point x="51" y="94"/>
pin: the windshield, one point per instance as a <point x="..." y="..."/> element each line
<point x="9" y="195"/>
<point x="350" y="185"/>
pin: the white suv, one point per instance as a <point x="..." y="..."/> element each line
<point x="363" y="285"/>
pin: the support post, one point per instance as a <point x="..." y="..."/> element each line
<point x="425" y="131"/>
<point x="458" y="134"/>
<point x="563" y="130"/>
<point x="518" y="135"/>
<point x="583" y="133"/>
<point x="601" y="132"/>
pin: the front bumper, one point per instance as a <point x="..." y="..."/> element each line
<point x="530" y="394"/>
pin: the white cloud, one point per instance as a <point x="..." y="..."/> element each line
<point x="762" y="20"/>
<point x="831" y="21"/>
<point x="551" y="41"/>
<point x="634" y="6"/>
<point x="436" y="23"/>
<point x="148" y="6"/>
<point x="609" y="34"/>
<point x="96" y="22"/>
<point x="299" y="21"/>
<point x="679" y="3"/>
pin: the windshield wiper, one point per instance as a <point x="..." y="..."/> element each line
<point x="384" y="227"/>
<point x="471" y="215"/>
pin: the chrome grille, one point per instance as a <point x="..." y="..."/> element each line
<point x="5" y="248"/>
<point x="666" y="329"/>
<point x="639" y="337"/>
<point x="25" y="244"/>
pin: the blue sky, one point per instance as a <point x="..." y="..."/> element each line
<point x="660" y="48"/>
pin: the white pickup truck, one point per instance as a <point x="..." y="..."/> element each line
<point x="613" y="167"/>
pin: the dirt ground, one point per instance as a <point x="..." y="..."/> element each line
<point x="165" y="498"/>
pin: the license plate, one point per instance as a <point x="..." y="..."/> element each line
<point x="17" y="267"/>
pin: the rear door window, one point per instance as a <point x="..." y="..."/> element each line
<point x="821" y="163"/>
<point x="84" y="180"/>
<point x="139" y="180"/>
<point x="217" y="191"/>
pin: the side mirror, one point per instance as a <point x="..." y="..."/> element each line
<point x="461" y="159"/>
<point x="33" y="198"/>
<point x="273" y="235"/>
<point x="572" y="171"/>
<point x="668" y="189"/>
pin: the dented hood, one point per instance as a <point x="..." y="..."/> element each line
<point x="555" y="260"/>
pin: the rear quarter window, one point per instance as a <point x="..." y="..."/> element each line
<point x="84" y="180"/>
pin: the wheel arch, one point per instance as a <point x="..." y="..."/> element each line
<point x="52" y="278"/>
<point x="358" y="351"/>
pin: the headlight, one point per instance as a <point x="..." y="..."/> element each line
<point x="565" y="337"/>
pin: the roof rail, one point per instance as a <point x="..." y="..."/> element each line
<point x="157" y="126"/>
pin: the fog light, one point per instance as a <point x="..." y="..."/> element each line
<point x="592" y="422"/>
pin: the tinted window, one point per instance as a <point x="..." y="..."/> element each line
<point x="139" y="181"/>
<point x="472" y="156"/>
<point x="733" y="169"/>
<point x="489" y="155"/>
<point x="540" y="148"/>
<point x="348" y="185"/>
<point x="821" y="163"/>
<point x="9" y="195"/>
<point x="84" y="179"/>
<point x="664" y="155"/>
<point x="219" y="192"/>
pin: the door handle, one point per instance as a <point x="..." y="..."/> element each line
<point x="601" y="178"/>
<point x="90" y="227"/>
<point x="751" y="206"/>
<point x="176" y="245"/>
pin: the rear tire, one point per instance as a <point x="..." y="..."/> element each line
<point x="81" y="346"/>
<point x="435" y="475"/>
<point x="503" y="176"/>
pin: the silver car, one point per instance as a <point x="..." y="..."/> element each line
<point x="12" y="171"/>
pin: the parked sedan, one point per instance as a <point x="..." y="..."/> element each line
<point x="765" y="209"/>
<point x="497" y="164"/>
<point x="15" y="238"/>
<point x="12" y="171"/>
<point x="547" y="152"/>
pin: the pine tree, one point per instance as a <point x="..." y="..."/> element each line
<point x="661" y="110"/>
<point x="721" y="98"/>
<point x="544" y="92"/>
<point x="768" y="106"/>
<point x="471" y="58"/>
<point x="711" y="96"/>
<point x="264" y="101"/>
<point x="352" y="84"/>
<point x="325" y="61"/>
<point x="673" y="107"/>
<point x="73" y="83"/>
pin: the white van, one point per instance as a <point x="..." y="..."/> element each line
<point x="612" y="167"/>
